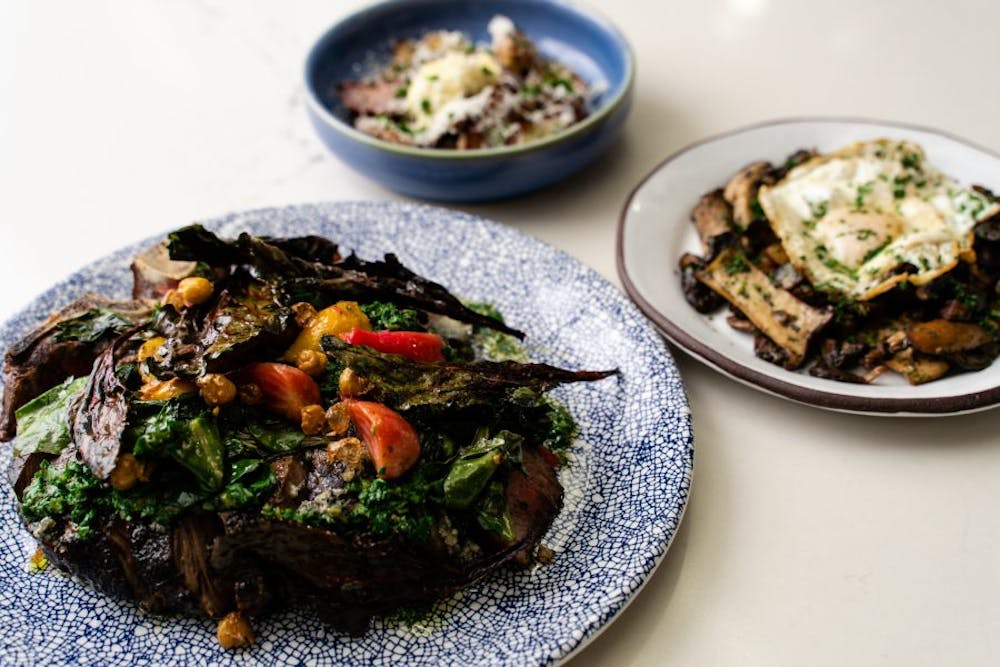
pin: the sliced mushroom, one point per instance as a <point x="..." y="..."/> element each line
<point x="945" y="336"/>
<point x="917" y="368"/>
<point x="701" y="298"/>
<point x="741" y="191"/>
<point x="713" y="218"/>
<point x="784" y="319"/>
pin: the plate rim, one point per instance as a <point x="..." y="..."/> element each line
<point x="657" y="548"/>
<point x="941" y="406"/>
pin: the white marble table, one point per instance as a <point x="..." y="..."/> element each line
<point x="811" y="537"/>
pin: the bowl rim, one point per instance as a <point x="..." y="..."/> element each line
<point x="578" y="129"/>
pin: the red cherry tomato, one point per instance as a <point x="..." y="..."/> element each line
<point x="392" y="443"/>
<point x="285" y="389"/>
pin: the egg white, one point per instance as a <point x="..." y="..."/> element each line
<point x="849" y="220"/>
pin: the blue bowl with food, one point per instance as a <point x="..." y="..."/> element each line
<point x="469" y="100"/>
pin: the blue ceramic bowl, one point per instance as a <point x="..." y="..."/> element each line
<point x="562" y="31"/>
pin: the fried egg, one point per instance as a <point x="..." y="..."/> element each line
<point x="871" y="215"/>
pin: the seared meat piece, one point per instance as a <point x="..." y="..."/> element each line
<point x="191" y="541"/>
<point x="131" y="560"/>
<point x="534" y="497"/>
<point x="373" y="97"/>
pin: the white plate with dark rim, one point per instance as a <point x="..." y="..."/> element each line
<point x="625" y="492"/>
<point x="654" y="230"/>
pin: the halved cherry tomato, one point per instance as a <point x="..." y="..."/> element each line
<point x="285" y="390"/>
<point x="412" y="344"/>
<point x="392" y="443"/>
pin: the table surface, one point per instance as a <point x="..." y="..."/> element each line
<point x="811" y="537"/>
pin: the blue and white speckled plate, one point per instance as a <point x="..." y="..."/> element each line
<point x="625" y="492"/>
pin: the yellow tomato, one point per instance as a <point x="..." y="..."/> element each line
<point x="149" y="348"/>
<point x="162" y="390"/>
<point x="338" y="318"/>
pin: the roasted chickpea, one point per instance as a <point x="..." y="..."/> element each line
<point x="304" y="312"/>
<point x="351" y="384"/>
<point x="338" y="419"/>
<point x="217" y="389"/>
<point x="38" y="560"/>
<point x="195" y="290"/>
<point x="234" y="631"/>
<point x="311" y="362"/>
<point x="313" y="419"/>
<point x="163" y="390"/>
<point x="351" y="452"/>
<point x="174" y="298"/>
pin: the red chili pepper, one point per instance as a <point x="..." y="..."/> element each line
<point x="411" y="344"/>
<point x="392" y="444"/>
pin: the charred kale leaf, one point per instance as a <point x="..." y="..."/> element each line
<point x="432" y="386"/>
<point x="99" y="421"/>
<point x="304" y="279"/>
<point x="91" y="326"/>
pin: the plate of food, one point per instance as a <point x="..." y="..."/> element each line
<point x="474" y="100"/>
<point x="279" y="438"/>
<point x="846" y="264"/>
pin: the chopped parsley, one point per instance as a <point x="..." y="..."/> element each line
<point x="737" y="264"/>
<point x="864" y="190"/>
<point x="819" y="209"/>
<point x="910" y="161"/>
<point x="385" y="315"/>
